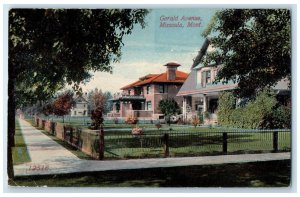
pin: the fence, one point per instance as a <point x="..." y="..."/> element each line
<point x="120" y="145"/>
<point x="86" y="120"/>
<point x="116" y="144"/>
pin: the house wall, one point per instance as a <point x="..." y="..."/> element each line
<point x="81" y="109"/>
<point x="154" y="96"/>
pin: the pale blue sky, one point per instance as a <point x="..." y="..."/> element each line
<point x="146" y="50"/>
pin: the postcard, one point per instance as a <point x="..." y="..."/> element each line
<point x="153" y="97"/>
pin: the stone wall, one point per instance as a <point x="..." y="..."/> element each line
<point x="85" y="140"/>
<point x="59" y="130"/>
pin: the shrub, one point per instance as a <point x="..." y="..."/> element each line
<point x="137" y="131"/>
<point x="131" y="119"/>
<point x="195" y="121"/>
<point x="262" y="112"/>
<point x="116" y="120"/>
<point x="158" y="125"/>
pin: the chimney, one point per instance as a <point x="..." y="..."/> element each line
<point x="171" y="70"/>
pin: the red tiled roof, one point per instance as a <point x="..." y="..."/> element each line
<point x="158" y="78"/>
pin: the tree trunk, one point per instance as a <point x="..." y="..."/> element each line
<point x="101" y="143"/>
<point x="10" y="122"/>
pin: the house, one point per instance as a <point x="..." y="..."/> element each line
<point x="200" y="93"/>
<point x="141" y="98"/>
<point x="80" y="106"/>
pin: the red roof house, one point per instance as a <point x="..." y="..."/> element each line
<point x="141" y="97"/>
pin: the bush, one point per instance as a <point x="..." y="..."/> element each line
<point x="195" y="121"/>
<point x="158" y="125"/>
<point x="131" y="119"/>
<point x="263" y="112"/>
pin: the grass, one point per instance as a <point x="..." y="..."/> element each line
<point x="256" y="174"/>
<point x="183" y="141"/>
<point x="19" y="152"/>
<point x="119" y="145"/>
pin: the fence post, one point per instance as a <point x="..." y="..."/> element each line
<point x="225" y="142"/>
<point x="166" y="144"/>
<point x="101" y="143"/>
<point x="275" y="141"/>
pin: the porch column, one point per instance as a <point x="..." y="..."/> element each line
<point x="204" y="103"/>
<point x="130" y="105"/>
<point x="122" y="109"/>
<point x="114" y="107"/>
<point x="143" y="106"/>
<point x="184" y="108"/>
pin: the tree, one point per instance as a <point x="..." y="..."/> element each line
<point x="168" y="107"/>
<point x="63" y="104"/>
<point x="108" y="104"/>
<point x="48" y="109"/>
<point x="253" y="45"/>
<point x="97" y="101"/>
<point x="105" y="96"/>
<point x="98" y="104"/>
<point x="49" y="48"/>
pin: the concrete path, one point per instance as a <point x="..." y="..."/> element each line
<point x="48" y="157"/>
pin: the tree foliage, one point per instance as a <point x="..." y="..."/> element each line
<point x="254" y="46"/>
<point x="104" y="97"/>
<point x="168" y="107"/>
<point x="63" y="104"/>
<point x="97" y="103"/>
<point x="262" y="112"/>
<point x="49" y="48"/>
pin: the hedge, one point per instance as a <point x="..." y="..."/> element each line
<point x="262" y="112"/>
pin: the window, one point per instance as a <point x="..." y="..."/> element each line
<point x="161" y="88"/>
<point x="83" y="105"/>
<point x="129" y="92"/>
<point x="208" y="76"/>
<point x="148" y="89"/>
<point x="149" y="106"/>
<point x="205" y="78"/>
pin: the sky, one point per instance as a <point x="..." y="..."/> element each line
<point x="145" y="51"/>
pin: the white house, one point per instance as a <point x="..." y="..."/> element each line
<point x="80" y="107"/>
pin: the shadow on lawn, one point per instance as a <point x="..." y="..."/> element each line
<point x="258" y="174"/>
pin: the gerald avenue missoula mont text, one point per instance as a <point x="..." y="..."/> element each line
<point x="177" y="21"/>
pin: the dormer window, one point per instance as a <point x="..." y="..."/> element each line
<point x="205" y="77"/>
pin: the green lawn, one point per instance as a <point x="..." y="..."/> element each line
<point x="258" y="174"/>
<point x="19" y="152"/>
<point x="122" y="145"/>
<point x="183" y="141"/>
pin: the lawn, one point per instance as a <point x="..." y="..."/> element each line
<point x="122" y="145"/>
<point x="257" y="174"/>
<point x="184" y="140"/>
<point x="19" y="152"/>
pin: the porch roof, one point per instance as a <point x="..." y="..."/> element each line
<point x="191" y="87"/>
<point x="129" y="98"/>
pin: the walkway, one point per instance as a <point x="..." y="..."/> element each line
<point x="48" y="157"/>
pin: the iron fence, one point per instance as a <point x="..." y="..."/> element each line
<point x="160" y="144"/>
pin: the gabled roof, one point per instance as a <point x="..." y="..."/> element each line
<point x="202" y="52"/>
<point x="157" y="78"/>
<point x="80" y="99"/>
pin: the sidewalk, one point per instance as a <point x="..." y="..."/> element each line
<point x="48" y="157"/>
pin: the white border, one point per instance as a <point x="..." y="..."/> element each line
<point x="158" y="4"/>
